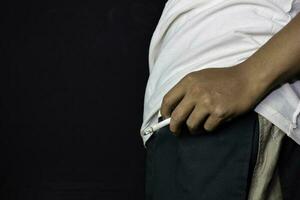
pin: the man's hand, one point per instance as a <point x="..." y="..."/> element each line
<point x="208" y="98"/>
<point x="212" y="96"/>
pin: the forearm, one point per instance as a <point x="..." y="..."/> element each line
<point x="277" y="61"/>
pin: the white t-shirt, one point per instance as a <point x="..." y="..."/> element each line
<point x="196" y="34"/>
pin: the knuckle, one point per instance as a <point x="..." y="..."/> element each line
<point x="165" y="106"/>
<point x="189" y="76"/>
<point x="220" y="112"/>
<point x="206" y="99"/>
<point x="196" y="90"/>
<point x="174" y="125"/>
<point x="175" y="116"/>
<point x="166" y="100"/>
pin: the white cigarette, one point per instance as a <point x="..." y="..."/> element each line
<point x="157" y="126"/>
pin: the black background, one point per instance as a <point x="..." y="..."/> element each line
<point x="73" y="76"/>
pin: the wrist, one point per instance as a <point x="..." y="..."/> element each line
<point x="258" y="81"/>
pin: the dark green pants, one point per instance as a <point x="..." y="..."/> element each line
<point x="208" y="166"/>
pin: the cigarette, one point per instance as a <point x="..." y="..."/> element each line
<point x="157" y="126"/>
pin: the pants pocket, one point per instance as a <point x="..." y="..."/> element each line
<point x="216" y="164"/>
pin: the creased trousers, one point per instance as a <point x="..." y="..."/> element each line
<point x="247" y="158"/>
<point x="209" y="166"/>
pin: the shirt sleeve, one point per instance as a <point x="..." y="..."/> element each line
<point x="294" y="129"/>
<point x="282" y="108"/>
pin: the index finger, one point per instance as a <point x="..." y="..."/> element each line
<point x="171" y="99"/>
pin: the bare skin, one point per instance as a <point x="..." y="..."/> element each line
<point x="210" y="97"/>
